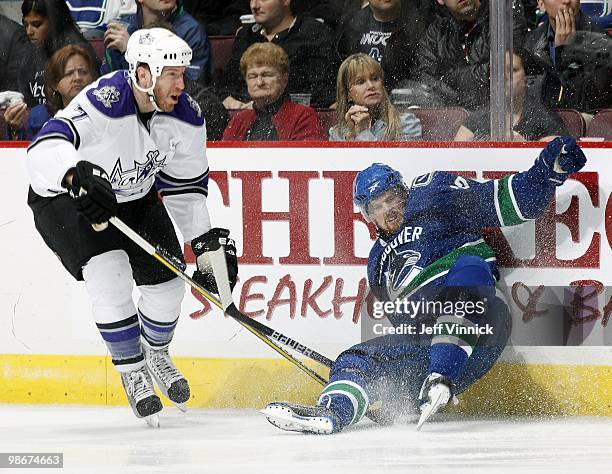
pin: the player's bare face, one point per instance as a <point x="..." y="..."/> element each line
<point x="265" y="84"/>
<point x="76" y="76"/>
<point x="169" y="87"/>
<point x="36" y="27"/>
<point x="387" y="210"/>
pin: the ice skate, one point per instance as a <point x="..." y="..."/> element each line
<point x="302" y="418"/>
<point x="437" y="391"/>
<point x="143" y="400"/>
<point x="167" y="377"/>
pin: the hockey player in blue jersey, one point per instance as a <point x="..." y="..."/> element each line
<point x="430" y="247"/>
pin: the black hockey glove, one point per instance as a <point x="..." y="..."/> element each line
<point x="93" y="193"/>
<point x="560" y="159"/>
<point x="212" y="240"/>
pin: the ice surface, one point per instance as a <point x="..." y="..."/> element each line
<point x="110" y="440"/>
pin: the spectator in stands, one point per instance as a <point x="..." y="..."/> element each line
<point x="93" y="16"/>
<point x="328" y="11"/>
<point x="69" y="70"/>
<point x="13" y="46"/>
<point x="577" y="55"/>
<point x="367" y="30"/>
<point x="148" y="12"/>
<point x="453" y="55"/>
<point x="306" y="41"/>
<point x="221" y="17"/>
<point x="531" y="12"/>
<point x="364" y="110"/>
<point x="265" y="67"/>
<point x="532" y="120"/>
<point x="49" y="27"/>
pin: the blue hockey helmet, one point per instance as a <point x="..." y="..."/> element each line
<point x="373" y="181"/>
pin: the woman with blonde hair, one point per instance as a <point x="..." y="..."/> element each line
<point x="364" y="110"/>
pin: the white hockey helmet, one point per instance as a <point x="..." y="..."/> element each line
<point x="158" y="48"/>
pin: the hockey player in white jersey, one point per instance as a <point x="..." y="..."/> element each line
<point x="120" y="142"/>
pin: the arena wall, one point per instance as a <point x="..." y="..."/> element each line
<point x="303" y="248"/>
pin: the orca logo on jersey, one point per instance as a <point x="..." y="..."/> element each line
<point x="107" y="95"/>
<point x="123" y="180"/>
<point x="422" y="181"/>
<point x="402" y="270"/>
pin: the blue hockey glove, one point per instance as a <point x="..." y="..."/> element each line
<point x="560" y="159"/>
<point x="93" y="193"/>
<point x="212" y="240"/>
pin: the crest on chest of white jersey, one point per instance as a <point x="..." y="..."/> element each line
<point x="139" y="172"/>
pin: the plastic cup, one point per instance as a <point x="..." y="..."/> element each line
<point x="119" y="22"/>
<point x="303" y="99"/>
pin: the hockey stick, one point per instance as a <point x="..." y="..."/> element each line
<point x="263" y="332"/>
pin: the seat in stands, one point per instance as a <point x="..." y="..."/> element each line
<point x="98" y="45"/>
<point x="2" y="125"/>
<point x="439" y="124"/>
<point x="327" y="117"/>
<point x="574" y="121"/>
<point x="221" y="53"/>
<point x="601" y="125"/>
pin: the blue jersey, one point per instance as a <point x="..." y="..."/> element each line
<point x="443" y="219"/>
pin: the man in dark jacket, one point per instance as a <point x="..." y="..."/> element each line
<point x="220" y="17"/>
<point x="13" y="46"/>
<point x="153" y="11"/>
<point x="576" y="55"/>
<point x="330" y="11"/>
<point x="368" y="30"/>
<point x="453" y="56"/>
<point x="307" y="42"/>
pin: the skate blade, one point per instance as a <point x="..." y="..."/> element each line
<point x="153" y="420"/>
<point x="284" y="418"/>
<point x="181" y="406"/>
<point x="429" y="410"/>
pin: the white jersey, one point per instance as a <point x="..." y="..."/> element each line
<point x="101" y="125"/>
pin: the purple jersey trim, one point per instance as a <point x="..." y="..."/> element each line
<point x="112" y="95"/>
<point x="187" y="110"/>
